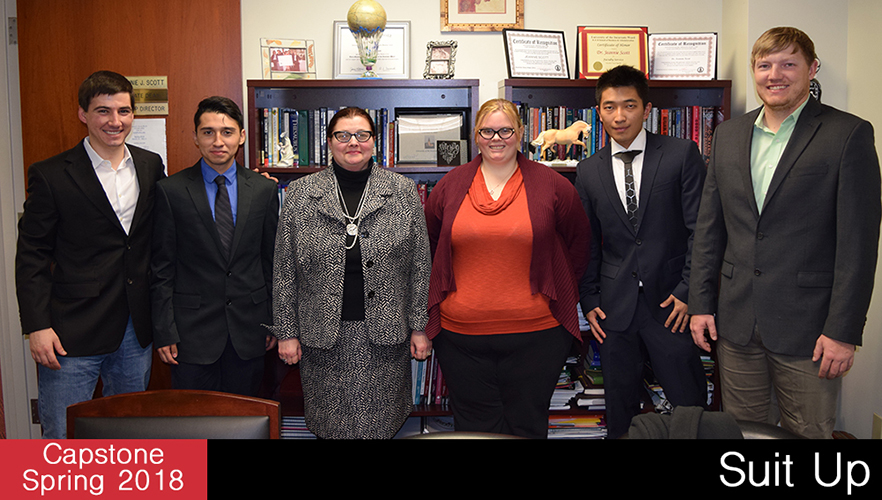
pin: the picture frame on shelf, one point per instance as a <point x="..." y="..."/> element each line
<point x="284" y="59"/>
<point x="393" y="59"/>
<point x="419" y="131"/>
<point x="601" y="48"/>
<point x="478" y="15"/>
<point x="683" y="56"/>
<point x="440" y="59"/>
<point x="536" y="54"/>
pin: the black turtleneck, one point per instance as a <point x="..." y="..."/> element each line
<point x="352" y="185"/>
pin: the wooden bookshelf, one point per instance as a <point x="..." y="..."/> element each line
<point x="394" y="95"/>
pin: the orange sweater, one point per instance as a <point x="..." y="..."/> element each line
<point x="492" y="245"/>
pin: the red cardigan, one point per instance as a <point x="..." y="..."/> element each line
<point x="561" y="238"/>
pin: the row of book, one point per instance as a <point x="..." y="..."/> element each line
<point x="689" y="122"/>
<point x="428" y="385"/>
<point x="295" y="138"/>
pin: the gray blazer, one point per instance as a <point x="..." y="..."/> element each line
<point x="310" y="259"/>
<point x="805" y="265"/>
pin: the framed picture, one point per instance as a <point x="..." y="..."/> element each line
<point x="683" y="56"/>
<point x="287" y="59"/>
<point x="440" y="57"/>
<point x="420" y="130"/>
<point x="481" y="15"/>
<point x="536" y="54"/>
<point x="601" y="48"/>
<point x="393" y="54"/>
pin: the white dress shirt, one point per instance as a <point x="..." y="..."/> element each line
<point x="120" y="184"/>
<point x="618" y="166"/>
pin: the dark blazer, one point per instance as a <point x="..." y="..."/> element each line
<point x="200" y="298"/>
<point x="658" y="254"/>
<point x="805" y="265"/>
<point x="76" y="270"/>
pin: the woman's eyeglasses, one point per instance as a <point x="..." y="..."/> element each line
<point x="360" y="136"/>
<point x="488" y="133"/>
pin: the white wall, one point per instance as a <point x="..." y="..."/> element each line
<point x="479" y="55"/>
<point x="862" y="387"/>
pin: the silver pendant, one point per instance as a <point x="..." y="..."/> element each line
<point x="351" y="229"/>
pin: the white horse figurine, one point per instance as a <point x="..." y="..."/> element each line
<point x="568" y="137"/>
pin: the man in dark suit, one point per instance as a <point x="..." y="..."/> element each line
<point x="788" y="231"/>
<point x="82" y="265"/>
<point x="213" y="246"/>
<point x="641" y="194"/>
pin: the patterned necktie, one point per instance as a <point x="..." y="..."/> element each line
<point x="223" y="214"/>
<point x="630" y="190"/>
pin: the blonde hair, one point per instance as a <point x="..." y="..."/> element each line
<point x="780" y="38"/>
<point x="507" y="107"/>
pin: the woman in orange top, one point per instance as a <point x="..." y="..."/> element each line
<point x="509" y="241"/>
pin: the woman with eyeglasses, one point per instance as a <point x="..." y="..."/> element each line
<point x="509" y="243"/>
<point x="350" y="287"/>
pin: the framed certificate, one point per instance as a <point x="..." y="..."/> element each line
<point x="287" y="59"/>
<point x="481" y="15"/>
<point x="536" y="54"/>
<point x="393" y="55"/>
<point x="601" y="48"/>
<point x="683" y="56"/>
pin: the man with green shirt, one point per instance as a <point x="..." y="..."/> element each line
<point x="786" y="243"/>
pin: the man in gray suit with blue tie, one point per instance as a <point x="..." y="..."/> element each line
<point x="786" y="244"/>
<point x="641" y="194"/>
<point x="213" y="243"/>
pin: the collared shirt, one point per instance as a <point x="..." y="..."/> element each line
<point x="208" y="176"/>
<point x="766" y="148"/>
<point x="639" y="143"/>
<point x="120" y="184"/>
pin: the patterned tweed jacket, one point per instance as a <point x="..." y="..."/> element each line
<point x="310" y="259"/>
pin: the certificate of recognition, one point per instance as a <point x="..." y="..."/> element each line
<point x="536" y="54"/>
<point x="683" y="56"/>
<point x="605" y="47"/>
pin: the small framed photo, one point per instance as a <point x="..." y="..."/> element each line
<point x="536" y="54"/>
<point x="440" y="58"/>
<point x="393" y="54"/>
<point x="287" y="59"/>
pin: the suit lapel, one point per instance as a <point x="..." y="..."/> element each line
<point x="744" y="137"/>
<point x="243" y="206"/>
<point x="196" y="188"/>
<point x="607" y="179"/>
<point x="141" y="170"/>
<point x="805" y="129"/>
<point x="81" y="171"/>
<point x="651" y="159"/>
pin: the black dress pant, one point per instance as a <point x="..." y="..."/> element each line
<point x="502" y="384"/>
<point x="675" y="362"/>
<point x="229" y="373"/>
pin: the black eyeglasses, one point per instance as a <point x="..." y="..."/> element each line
<point x="504" y="133"/>
<point x="360" y="136"/>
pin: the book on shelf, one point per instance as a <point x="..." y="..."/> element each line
<point x="306" y="131"/>
<point x="695" y="123"/>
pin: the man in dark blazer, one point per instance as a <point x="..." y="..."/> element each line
<point x="635" y="289"/>
<point x="82" y="268"/>
<point x="213" y="246"/>
<point x="788" y="232"/>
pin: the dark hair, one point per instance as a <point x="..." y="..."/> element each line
<point x="350" y="112"/>
<point x="623" y="76"/>
<point x="103" y="83"/>
<point x="222" y="105"/>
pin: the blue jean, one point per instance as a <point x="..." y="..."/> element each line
<point x="125" y="370"/>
